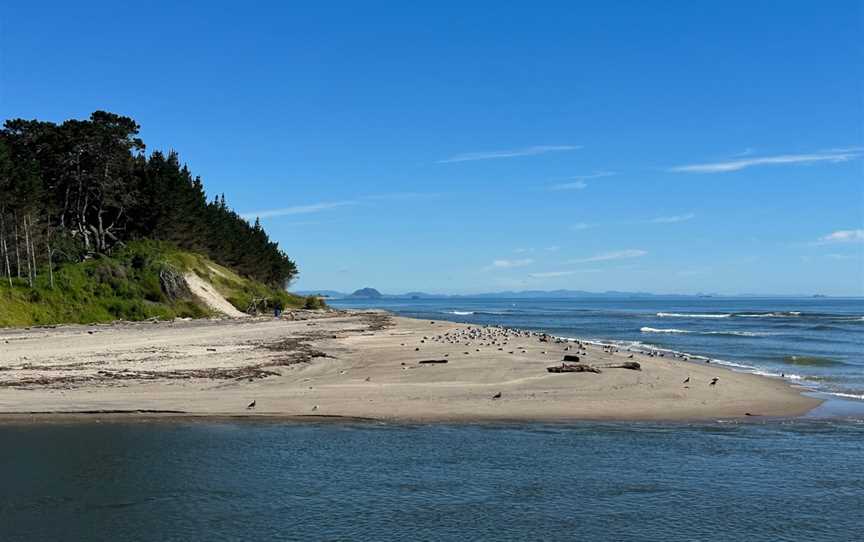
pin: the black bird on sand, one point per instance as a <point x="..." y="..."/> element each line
<point x="686" y="380"/>
<point x="251" y="405"/>
<point x="497" y="395"/>
<point x="714" y="381"/>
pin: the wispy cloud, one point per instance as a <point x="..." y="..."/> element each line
<point x="551" y="274"/>
<point x="840" y="155"/>
<point x="673" y="219"/>
<point x="402" y="196"/>
<point x="581" y="226"/>
<point x="616" y="255"/>
<point x="326" y="206"/>
<point x="579" y="182"/>
<point x="298" y="209"/>
<point x="843" y="236"/>
<point x="508" y="264"/>
<point x="492" y="155"/>
<point x="575" y="185"/>
<point x="555" y="274"/>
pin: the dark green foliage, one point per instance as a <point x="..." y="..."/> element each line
<point x="314" y="303"/>
<point x="126" y="286"/>
<point x="81" y="189"/>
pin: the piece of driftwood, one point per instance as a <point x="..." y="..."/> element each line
<point x="433" y="361"/>
<point x="632" y="365"/>
<point x="573" y="368"/>
<point x="571" y="357"/>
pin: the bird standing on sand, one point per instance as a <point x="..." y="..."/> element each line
<point x="497" y="395"/>
<point x="250" y="406"/>
<point x="686" y="380"/>
<point x="714" y="381"/>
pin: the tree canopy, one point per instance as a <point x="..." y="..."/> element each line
<point x="78" y="189"/>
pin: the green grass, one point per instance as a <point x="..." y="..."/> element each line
<point x="126" y="286"/>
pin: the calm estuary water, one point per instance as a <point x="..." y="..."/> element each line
<point x="798" y="480"/>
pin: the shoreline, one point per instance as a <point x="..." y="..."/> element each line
<point x="359" y="366"/>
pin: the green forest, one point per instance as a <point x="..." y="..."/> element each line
<point x="73" y="191"/>
<point x="92" y="229"/>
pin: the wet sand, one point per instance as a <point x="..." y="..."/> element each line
<point x="359" y="366"/>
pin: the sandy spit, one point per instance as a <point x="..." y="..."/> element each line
<point x="357" y="366"/>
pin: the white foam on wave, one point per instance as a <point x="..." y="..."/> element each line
<point x="845" y="395"/>
<point x="460" y="313"/>
<point x="736" y="333"/>
<point x="788" y="314"/>
<point x="790" y="376"/>
<point x="683" y="315"/>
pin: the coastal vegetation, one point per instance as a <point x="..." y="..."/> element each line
<point x="93" y="229"/>
<point x="138" y="281"/>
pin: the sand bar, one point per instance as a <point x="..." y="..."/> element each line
<point x="359" y="366"/>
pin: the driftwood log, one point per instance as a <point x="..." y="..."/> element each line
<point x="632" y="365"/>
<point x="585" y="368"/>
<point x="573" y="368"/>
<point x="433" y="361"/>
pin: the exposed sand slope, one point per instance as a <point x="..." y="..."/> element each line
<point x="371" y="369"/>
<point x="205" y="291"/>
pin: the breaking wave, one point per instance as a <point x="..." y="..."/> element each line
<point x="683" y="315"/>
<point x="647" y="329"/>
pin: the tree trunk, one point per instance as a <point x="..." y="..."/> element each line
<point x="5" y="248"/>
<point x="32" y="245"/>
<point x="17" y="253"/>
<point x="27" y="248"/>
<point x="48" y="246"/>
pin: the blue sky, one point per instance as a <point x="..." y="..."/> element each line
<point x="482" y="146"/>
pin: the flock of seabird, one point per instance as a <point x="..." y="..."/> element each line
<point x="499" y="337"/>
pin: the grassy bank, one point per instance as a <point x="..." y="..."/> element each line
<point x="134" y="283"/>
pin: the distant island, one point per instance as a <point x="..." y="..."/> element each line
<point x="366" y="293"/>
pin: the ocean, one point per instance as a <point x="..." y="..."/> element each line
<point x="755" y="480"/>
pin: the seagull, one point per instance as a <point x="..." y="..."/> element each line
<point x="714" y="381"/>
<point x="497" y="395"/>
<point x="251" y="405"/>
<point x="686" y="380"/>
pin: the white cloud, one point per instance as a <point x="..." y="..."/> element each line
<point x="578" y="182"/>
<point x="575" y="185"/>
<point x="580" y="226"/>
<point x="616" y="255"/>
<point x="297" y="209"/>
<point x="508" y="264"/>
<point x="402" y="196"/>
<point x="551" y="274"/>
<point x="527" y="151"/>
<point x="735" y="165"/>
<point x="843" y="236"/>
<point x="673" y="219"/>
<point x="555" y="274"/>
